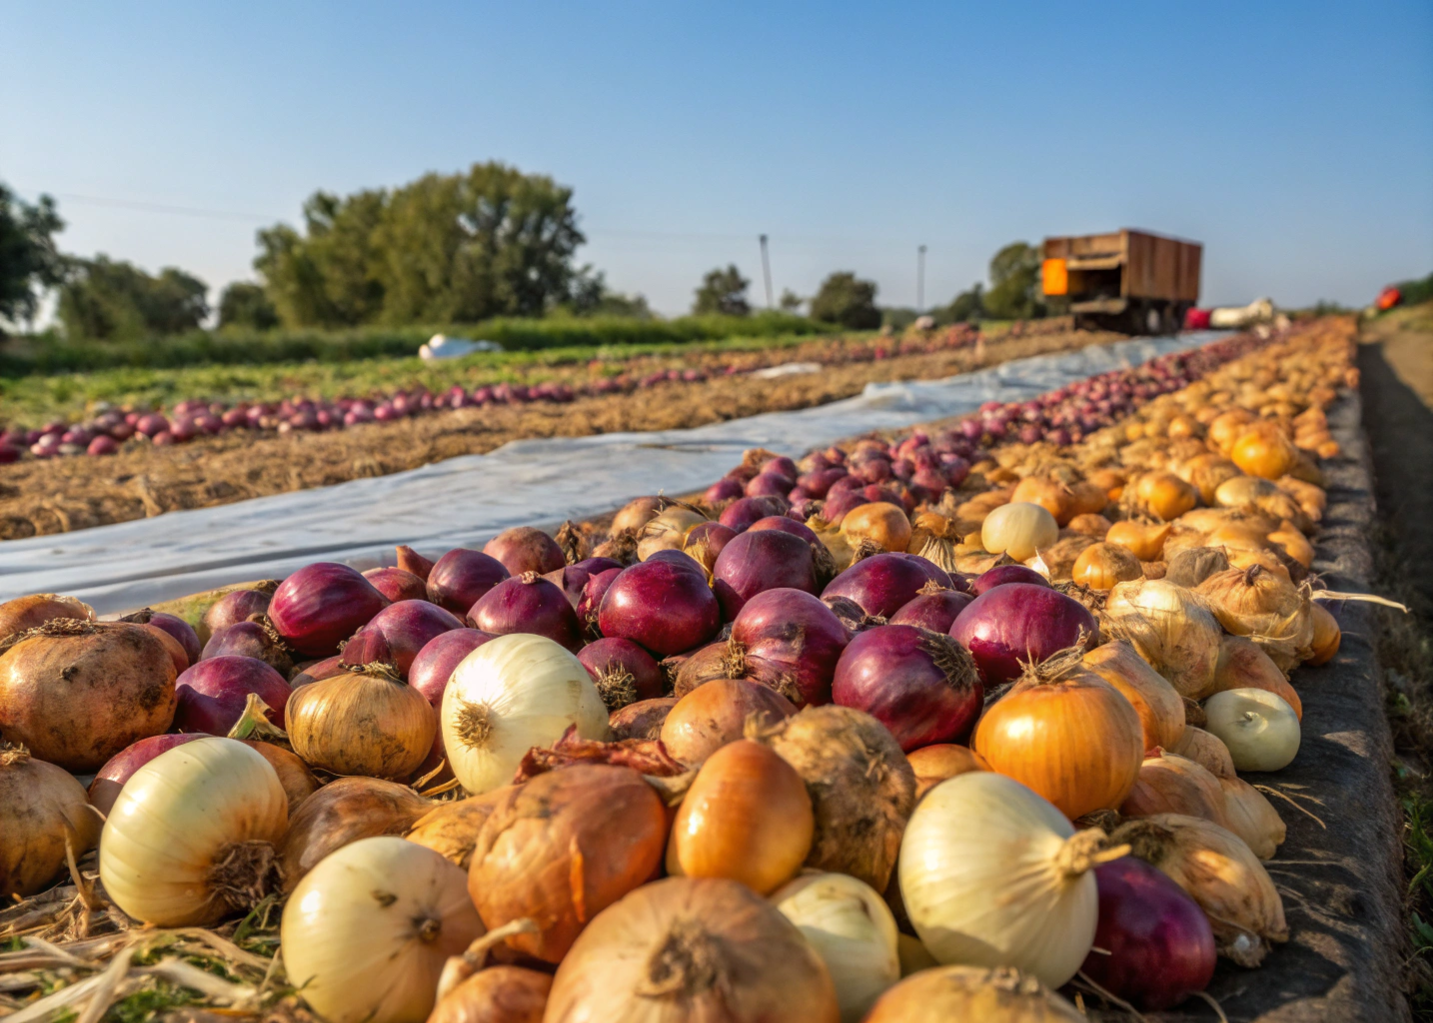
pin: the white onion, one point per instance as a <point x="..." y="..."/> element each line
<point x="993" y="875"/>
<point x="1259" y="727"/>
<point x="367" y="932"/>
<point x="852" y="930"/>
<point x="509" y="695"/>
<point x="191" y="837"/>
<point x="1018" y="529"/>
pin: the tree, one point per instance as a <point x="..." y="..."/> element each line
<point x="1014" y="277"/>
<point x="847" y="300"/>
<point x="790" y="301"/>
<point x="247" y="305"/>
<point x="29" y="260"/>
<point x="724" y="292"/>
<point x="103" y="299"/>
<point x="968" y="306"/>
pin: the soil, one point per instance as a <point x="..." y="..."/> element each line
<point x="61" y="495"/>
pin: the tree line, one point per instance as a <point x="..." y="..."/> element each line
<point x="488" y="242"/>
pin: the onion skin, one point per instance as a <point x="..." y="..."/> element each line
<point x="921" y="685"/>
<point x="75" y="695"/>
<point x="42" y="809"/>
<point x="1159" y="943"/>
<point x="35" y="610"/>
<point x="617" y="665"/>
<point x="881" y="585"/>
<point x="321" y="605"/>
<point x="434" y="664"/>
<point x="180" y="630"/>
<point x="524" y="549"/>
<point x="716" y="951"/>
<point x="461" y="577"/>
<point x="791" y="641"/>
<point x="760" y="560"/>
<point x="341" y="812"/>
<point x="543" y="854"/>
<point x="934" y="764"/>
<point x="317" y="671"/>
<point x="641" y="720"/>
<point x="408" y="626"/>
<point x="249" y="639"/>
<point x="571" y="580"/>
<point x="716" y="713"/>
<point x="1020" y="622"/>
<point x="362" y="723"/>
<point x="177" y="656"/>
<point x="528" y="603"/>
<point x="972" y="993"/>
<point x="746" y="817"/>
<point x="782" y="524"/>
<point x="1160" y="708"/>
<point x="451" y="828"/>
<point x="110" y="778"/>
<point x="934" y="611"/>
<point x="591" y="600"/>
<point x="1000" y="575"/>
<point x="234" y="607"/>
<point x="743" y="512"/>
<point x="397" y="584"/>
<point x="1169" y="783"/>
<point x="412" y="562"/>
<point x="662" y="606"/>
<point x="497" y="994"/>
<point x="212" y="694"/>
<point x="298" y="781"/>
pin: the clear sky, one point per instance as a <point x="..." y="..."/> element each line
<point x="1294" y="139"/>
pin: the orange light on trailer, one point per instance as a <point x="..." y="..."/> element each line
<point x="1056" y="277"/>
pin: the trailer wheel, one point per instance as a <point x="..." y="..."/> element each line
<point x="1153" y="321"/>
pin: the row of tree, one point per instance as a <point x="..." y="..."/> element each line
<point x="455" y="248"/>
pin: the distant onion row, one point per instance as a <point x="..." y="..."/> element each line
<point x="766" y="755"/>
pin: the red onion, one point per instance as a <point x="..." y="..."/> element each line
<point x="839" y="503"/>
<point x="881" y="584"/>
<point x="791" y="641"/>
<point x="180" y="630"/>
<point x="782" y="466"/>
<point x="741" y="513"/>
<point x="662" y="606"/>
<point x="317" y="671"/>
<point x="407" y="627"/>
<point x="760" y="560"/>
<point x="921" y="685"/>
<point x="934" y="611"/>
<point x="1155" y="945"/>
<point x="411" y="561"/>
<point x="623" y="671"/>
<point x="769" y="484"/>
<point x="110" y="778"/>
<point x="725" y="489"/>
<point x="234" y="607"/>
<point x="933" y="572"/>
<point x="592" y="594"/>
<point x="818" y="482"/>
<point x="524" y="549"/>
<point x="431" y="669"/>
<point x="681" y="559"/>
<point x="253" y="639"/>
<point x="594" y="565"/>
<point x="528" y="603"/>
<point x="213" y="692"/>
<point x="1003" y="574"/>
<point x="784" y="524"/>
<point x="1020" y="622"/>
<point x="397" y="584"/>
<point x="461" y="576"/>
<point x="706" y="540"/>
<point x="571" y="580"/>
<point x="321" y="605"/>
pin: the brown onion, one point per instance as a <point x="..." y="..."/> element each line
<point x="43" y="810"/>
<point x="716" y="713"/>
<point x="1169" y="783"/>
<point x="451" y="828"/>
<point x="366" y="722"/>
<point x="498" y="994"/>
<point x="75" y="693"/>
<point x="1243" y="664"/>
<point x="1160" y="708"/>
<point x="692" y="950"/>
<point x="746" y="817"/>
<point x="410" y="560"/>
<point x="298" y="781"/>
<point x="524" y="549"/>
<point x="545" y="855"/>
<point x="972" y="993"/>
<point x="342" y="812"/>
<point x="862" y="788"/>
<point x="35" y="610"/>
<point x="321" y="605"/>
<point x="934" y="764"/>
<point x="1264" y="606"/>
<point x="1207" y="750"/>
<point x="397" y="584"/>
<point x="1252" y="817"/>
<point x="641" y="720"/>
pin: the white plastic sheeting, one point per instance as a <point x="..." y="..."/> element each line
<point x="464" y="501"/>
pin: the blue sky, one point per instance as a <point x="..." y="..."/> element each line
<point x="1294" y="140"/>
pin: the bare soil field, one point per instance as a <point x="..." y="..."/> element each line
<point x="61" y="495"/>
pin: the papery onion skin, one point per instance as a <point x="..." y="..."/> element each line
<point x="166" y="848"/>
<point x="343" y="812"/>
<point x="529" y="604"/>
<point x="496" y="994"/>
<point x="714" y="949"/>
<point x="451" y="827"/>
<point x="38" y="608"/>
<point x="1252" y="817"/>
<point x="972" y="993"/>
<point x="524" y="549"/>
<point x="213" y="693"/>
<point x="321" y="605"/>
<point x="43" y="809"/>
<point x="641" y="720"/>
<point x="250" y="639"/>
<point x="367" y="722"/>
<point x="792" y="642"/>
<point x="664" y="607"/>
<point x="716" y="713"/>
<point x="935" y="763"/>
<point x="298" y="781"/>
<point x="543" y="854"/>
<point x="461" y="577"/>
<point x="746" y="817"/>
<point x="118" y="769"/>
<point x="408" y="626"/>
<point x="881" y="585"/>
<point x="1160" y="708"/>
<point x="403" y="905"/>
<point x="1169" y="783"/>
<point x="1018" y="623"/>
<point x="1156" y="945"/>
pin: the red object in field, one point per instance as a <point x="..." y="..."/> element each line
<point x="1196" y="319"/>
<point x="1388" y="298"/>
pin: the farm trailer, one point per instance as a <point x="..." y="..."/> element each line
<point x="1131" y="281"/>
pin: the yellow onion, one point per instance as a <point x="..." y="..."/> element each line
<point x="880" y="522"/>
<point x="1067" y="734"/>
<point x="1206" y="472"/>
<point x="1100" y="566"/>
<point x="1206" y="750"/>
<point x="1293" y="542"/>
<point x="191" y="837"/>
<point x="1192" y="566"/>
<point x="715" y="713"/>
<point x="972" y="993"/>
<point x="862" y="788"/>
<point x="1262" y="450"/>
<point x="667" y="530"/>
<point x="451" y="828"/>
<point x="1090" y="524"/>
<point x="852" y="930"/>
<point x="498" y="994"/>
<point x="913" y="955"/>
<point x="1052" y="495"/>
<point x="1327" y="636"/>
<point x="43" y="811"/>
<point x="746" y="817"/>
<point x="1169" y="783"/>
<point x="344" y="812"/>
<point x="509" y="695"/>
<point x="1160" y="708"/>
<point x="1164" y="495"/>
<point x="993" y="875"/>
<point x="1252" y="817"/>
<point x="1018" y="529"/>
<point x="1146" y="541"/>
<point x="1218" y="871"/>
<point x="1227" y="427"/>
<point x="298" y="781"/>
<point x="687" y="949"/>
<point x="366" y="934"/>
<point x="561" y="848"/>
<point x="1264" y="606"/>
<point x="934" y="764"/>
<point x="1170" y="627"/>
<point x="1259" y="727"/>
<point x="1244" y="665"/>
<point x="367" y="721"/>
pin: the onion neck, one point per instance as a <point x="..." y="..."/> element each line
<point x="1084" y="851"/>
<point x="686" y="963"/>
<point x="244" y="874"/>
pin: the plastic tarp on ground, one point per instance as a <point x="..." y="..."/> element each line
<point x="464" y="501"/>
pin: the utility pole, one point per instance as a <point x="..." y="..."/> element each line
<point x="920" y="280"/>
<point x="766" y="271"/>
